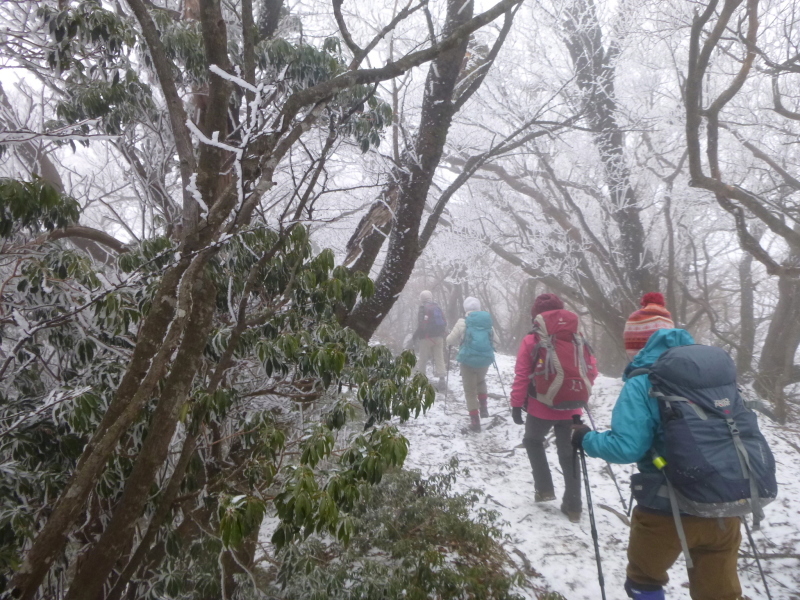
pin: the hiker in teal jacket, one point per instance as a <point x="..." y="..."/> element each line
<point x="654" y="545"/>
<point x="635" y="422"/>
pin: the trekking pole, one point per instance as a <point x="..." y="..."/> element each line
<point x="630" y="503"/>
<point x="576" y="420"/>
<point x="610" y="470"/>
<point x="447" y="379"/>
<point x="500" y="379"/>
<point x="755" y="554"/>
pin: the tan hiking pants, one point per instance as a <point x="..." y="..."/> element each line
<point x="431" y="348"/>
<point x="713" y="545"/>
<point x="474" y="381"/>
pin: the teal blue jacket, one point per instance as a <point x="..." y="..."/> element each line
<point x="635" y="421"/>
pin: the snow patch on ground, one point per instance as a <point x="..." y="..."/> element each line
<point x="562" y="551"/>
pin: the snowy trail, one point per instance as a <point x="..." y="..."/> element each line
<point x="562" y="551"/>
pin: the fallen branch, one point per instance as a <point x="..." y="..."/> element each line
<point x="621" y="516"/>
<point x="776" y="555"/>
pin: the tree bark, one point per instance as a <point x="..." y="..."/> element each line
<point x="367" y="240"/>
<point x="747" y="319"/>
<point x="269" y="17"/>
<point x="415" y="180"/>
<point x="776" y="365"/>
<point x="595" y="73"/>
<point x="118" y="535"/>
<point x="163" y="510"/>
<point x="155" y="342"/>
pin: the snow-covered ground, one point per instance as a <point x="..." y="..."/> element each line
<point x="562" y="551"/>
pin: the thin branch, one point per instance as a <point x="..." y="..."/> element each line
<point x="88" y="233"/>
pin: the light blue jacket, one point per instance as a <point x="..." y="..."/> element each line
<point x="635" y="421"/>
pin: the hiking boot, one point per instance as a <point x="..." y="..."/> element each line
<point x="543" y="496"/>
<point x="652" y="592"/>
<point x="484" y="408"/>
<point x="442" y="385"/>
<point x="475" y="422"/>
<point x="573" y="516"/>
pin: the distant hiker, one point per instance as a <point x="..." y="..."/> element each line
<point x="475" y="337"/>
<point x="703" y="463"/>
<point x="429" y="336"/>
<point x="643" y="322"/>
<point x="553" y="376"/>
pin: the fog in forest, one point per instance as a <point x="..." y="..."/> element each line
<point x="224" y="225"/>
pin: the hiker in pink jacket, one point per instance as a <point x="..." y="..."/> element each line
<point x="554" y="373"/>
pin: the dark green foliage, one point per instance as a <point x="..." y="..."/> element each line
<point x="91" y="45"/>
<point x="368" y="116"/>
<point x="358" y="112"/>
<point x="183" y="43"/>
<point x="118" y="101"/>
<point x="82" y="29"/>
<point x="412" y="537"/>
<point x="294" y="399"/>
<point x="34" y="206"/>
<point x="304" y="65"/>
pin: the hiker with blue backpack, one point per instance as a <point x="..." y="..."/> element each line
<point x="554" y="373"/>
<point x="429" y="337"/>
<point x="703" y="465"/>
<point x="474" y="335"/>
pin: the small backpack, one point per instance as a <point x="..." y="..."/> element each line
<point x="435" y="323"/>
<point x="561" y="361"/>
<point x="477" y="349"/>
<point x="716" y="461"/>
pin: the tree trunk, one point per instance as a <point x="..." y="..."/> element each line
<point x="155" y="343"/>
<point x="595" y="73"/>
<point x="415" y="180"/>
<point x="367" y="240"/>
<point x="747" y="319"/>
<point x="269" y="17"/>
<point x="118" y="535"/>
<point x="776" y="366"/>
<point x="237" y="561"/>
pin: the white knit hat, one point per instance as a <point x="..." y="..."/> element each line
<point x="471" y="304"/>
<point x="425" y="296"/>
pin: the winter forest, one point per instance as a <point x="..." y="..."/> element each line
<point x="216" y="221"/>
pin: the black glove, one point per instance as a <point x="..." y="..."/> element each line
<point x="516" y="414"/>
<point x="578" y="431"/>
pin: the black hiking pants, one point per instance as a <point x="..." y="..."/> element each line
<point x="536" y="431"/>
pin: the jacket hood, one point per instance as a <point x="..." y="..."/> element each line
<point x="661" y="341"/>
<point x="479" y="318"/>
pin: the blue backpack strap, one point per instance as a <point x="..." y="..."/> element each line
<point x="673" y="502"/>
<point x="747" y="471"/>
<point x="639" y="371"/>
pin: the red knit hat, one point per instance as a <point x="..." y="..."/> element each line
<point x="653" y="298"/>
<point x="645" y="321"/>
<point x="545" y="302"/>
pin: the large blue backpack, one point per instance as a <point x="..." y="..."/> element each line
<point x="477" y="349"/>
<point x="716" y="461"/>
